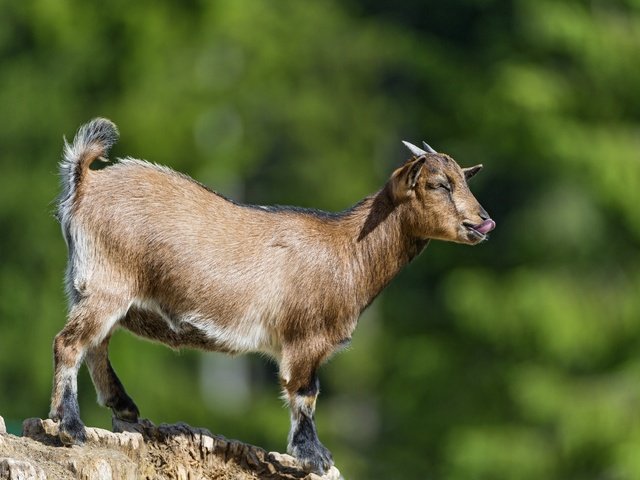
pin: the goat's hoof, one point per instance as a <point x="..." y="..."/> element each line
<point x="312" y="456"/>
<point x="71" y="432"/>
<point x="130" y="416"/>
<point x="124" y="409"/>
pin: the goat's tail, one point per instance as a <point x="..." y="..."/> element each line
<point x="92" y="141"/>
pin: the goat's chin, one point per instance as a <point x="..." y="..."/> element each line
<point x="472" y="237"/>
<point x="468" y="237"/>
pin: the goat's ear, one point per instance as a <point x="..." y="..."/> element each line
<point x="471" y="171"/>
<point x="404" y="180"/>
<point x="414" y="171"/>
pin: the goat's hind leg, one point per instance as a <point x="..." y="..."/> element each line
<point x="111" y="392"/>
<point x="90" y="322"/>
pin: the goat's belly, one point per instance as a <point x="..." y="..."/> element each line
<point x="147" y="320"/>
<point x="247" y="334"/>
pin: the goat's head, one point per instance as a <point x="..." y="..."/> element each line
<point x="432" y="191"/>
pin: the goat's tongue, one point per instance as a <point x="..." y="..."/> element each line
<point x="485" y="227"/>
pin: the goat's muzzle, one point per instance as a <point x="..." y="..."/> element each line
<point x="478" y="232"/>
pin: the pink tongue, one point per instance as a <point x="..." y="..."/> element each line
<point x="485" y="227"/>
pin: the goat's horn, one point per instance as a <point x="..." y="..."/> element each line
<point x="418" y="152"/>
<point x="428" y="148"/>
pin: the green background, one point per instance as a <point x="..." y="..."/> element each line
<point x="516" y="359"/>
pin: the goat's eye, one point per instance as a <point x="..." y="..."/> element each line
<point x="445" y="186"/>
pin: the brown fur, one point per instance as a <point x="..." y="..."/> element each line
<point x="161" y="255"/>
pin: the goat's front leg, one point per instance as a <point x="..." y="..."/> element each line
<point x="302" y="387"/>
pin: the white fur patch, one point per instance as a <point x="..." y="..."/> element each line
<point x="247" y="335"/>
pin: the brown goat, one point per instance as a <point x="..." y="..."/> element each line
<point x="161" y="255"/>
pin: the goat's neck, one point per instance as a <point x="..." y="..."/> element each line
<point x="379" y="245"/>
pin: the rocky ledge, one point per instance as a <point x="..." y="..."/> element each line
<point x="141" y="451"/>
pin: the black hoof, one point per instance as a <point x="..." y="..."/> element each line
<point x="130" y="416"/>
<point x="124" y="409"/>
<point x="71" y="432"/>
<point x="312" y="456"/>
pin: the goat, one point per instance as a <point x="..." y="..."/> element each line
<point x="161" y="255"/>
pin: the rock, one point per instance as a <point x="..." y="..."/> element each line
<point x="105" y="455"/>
<point x="11" y="469"/>
<point x="288" y="461"/>
<point x="143" y="450"/>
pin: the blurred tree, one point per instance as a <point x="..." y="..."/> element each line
<point x="516" y="359"/>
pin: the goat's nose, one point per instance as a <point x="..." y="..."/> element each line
<point x="483" y="214"/>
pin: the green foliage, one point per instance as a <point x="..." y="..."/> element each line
<point x="516" y="359"/>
